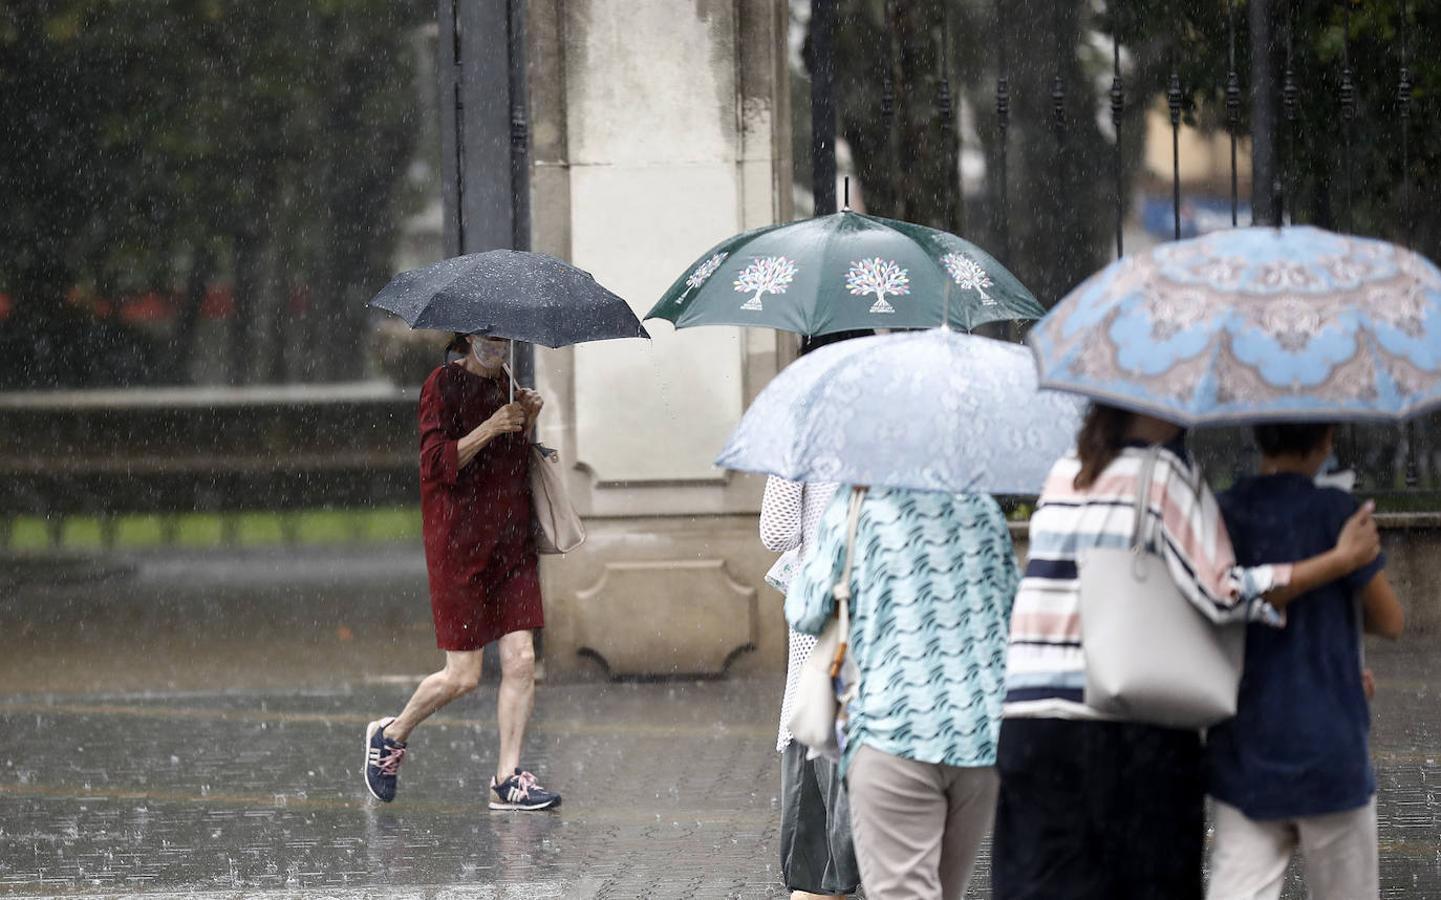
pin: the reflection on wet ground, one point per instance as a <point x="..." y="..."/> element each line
<point x="222" y="759"/>
<point x="669" y="791"/>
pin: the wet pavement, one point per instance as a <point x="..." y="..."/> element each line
<point x="669" y="792"/>
<point x="221" y="759"/>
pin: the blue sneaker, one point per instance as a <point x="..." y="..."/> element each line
<point x="521" y="791"/>
<point x="382" y="760"/>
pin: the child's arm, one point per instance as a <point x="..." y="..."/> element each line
<point x="1381" y="610"/>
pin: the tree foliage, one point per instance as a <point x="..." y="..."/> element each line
<point x="1060" y="191"/>
<point x="1312" y="149"/>
<point x="169" y="145"/>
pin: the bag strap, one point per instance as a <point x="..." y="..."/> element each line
<point x="842" y="590"/>
<point x="1143" y="497"/>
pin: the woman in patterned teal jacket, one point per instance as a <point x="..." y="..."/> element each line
<point x="932" y="583"/>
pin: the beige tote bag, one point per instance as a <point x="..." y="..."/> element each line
<point x="1151" y="656"/>
<point x="558" y="529"/>
<point x="816" y="706"/>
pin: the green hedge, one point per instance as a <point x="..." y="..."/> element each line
<point x="202" y="530"/>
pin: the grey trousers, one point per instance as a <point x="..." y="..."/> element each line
<point x="816" y="852"/>
<point x="918" y="826"/>
<point x="1249" y="858"/>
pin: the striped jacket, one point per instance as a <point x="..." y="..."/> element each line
<point x="932" y="583"/>
<point x="1045" y="663"/>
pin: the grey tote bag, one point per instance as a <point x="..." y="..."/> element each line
<point x="1151" y="656"/>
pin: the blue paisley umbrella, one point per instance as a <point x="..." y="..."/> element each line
<point x="1251" y="325"/>
<point x="930" y="411"/>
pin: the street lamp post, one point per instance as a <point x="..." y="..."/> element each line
<point x="823" y="105"/>
<point x="485" y="132"/>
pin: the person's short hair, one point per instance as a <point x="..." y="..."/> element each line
<point x="816" y="342"/>
<point x="1291" y="439"/>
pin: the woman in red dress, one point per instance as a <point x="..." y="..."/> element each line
<point x="480" y="554"/>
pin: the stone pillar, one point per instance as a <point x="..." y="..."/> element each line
<point x="659" y="128"/>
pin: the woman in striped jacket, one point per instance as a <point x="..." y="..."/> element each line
<point x="1091" y="807"/>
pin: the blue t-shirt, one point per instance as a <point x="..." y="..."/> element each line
<point x="1298" y="745"/>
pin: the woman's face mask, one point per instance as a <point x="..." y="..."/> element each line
<point x="489" y="353"/>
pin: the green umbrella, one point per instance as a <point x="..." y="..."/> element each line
<point x="844" y="272"/>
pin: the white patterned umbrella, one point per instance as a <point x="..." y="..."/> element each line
<point x="931" y="411"/>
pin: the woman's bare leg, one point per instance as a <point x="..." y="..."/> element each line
<point x="517" y="698"/>
<point x="459" y="677"/>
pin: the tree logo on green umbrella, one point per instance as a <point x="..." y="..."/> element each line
<point x="764" y="275"/>
<point x="702" y="272"/>
<point x="968" y="274"/>
<point x="878" y="276"/>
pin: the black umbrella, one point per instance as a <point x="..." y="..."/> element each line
<point x="510" y="294"/>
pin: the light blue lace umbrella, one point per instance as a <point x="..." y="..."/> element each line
<point x="931" y="411"/>
<point x="1252" y="325"/>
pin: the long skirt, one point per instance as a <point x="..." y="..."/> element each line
<point x="1098" y="810"/>
<point x="816" y="851"/>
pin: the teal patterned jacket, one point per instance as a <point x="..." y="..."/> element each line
<point x="932" y="582"/>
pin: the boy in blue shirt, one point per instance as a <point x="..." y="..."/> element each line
<point x="1293" y="768"/>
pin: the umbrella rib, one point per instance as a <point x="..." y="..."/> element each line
<point x="827" y="248"/>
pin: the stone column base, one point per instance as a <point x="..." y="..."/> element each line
<point x="663" y="597"/>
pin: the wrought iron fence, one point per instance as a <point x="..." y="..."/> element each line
<point x="1400" y="464"/>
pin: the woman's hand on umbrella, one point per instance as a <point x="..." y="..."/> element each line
<point x="509" y="419"/>
<point x="532" y="402"/>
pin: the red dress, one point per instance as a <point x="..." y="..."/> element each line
<point x="484" y="577"/>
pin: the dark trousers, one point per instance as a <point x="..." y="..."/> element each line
<point x="817" y="855"/>
<point x="1104" y="810"/>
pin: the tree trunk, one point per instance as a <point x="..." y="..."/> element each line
<point x="182" y="341"/>
<point x="922" y="185"/>
<point x="1265" y="174"/>
<point x="247" y="283"/>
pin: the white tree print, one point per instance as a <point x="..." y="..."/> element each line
<point x="969" y="275"/>
<point x="880" y="277"/>
<point x="764" y="275"/>
<point x="702" y="272"/>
